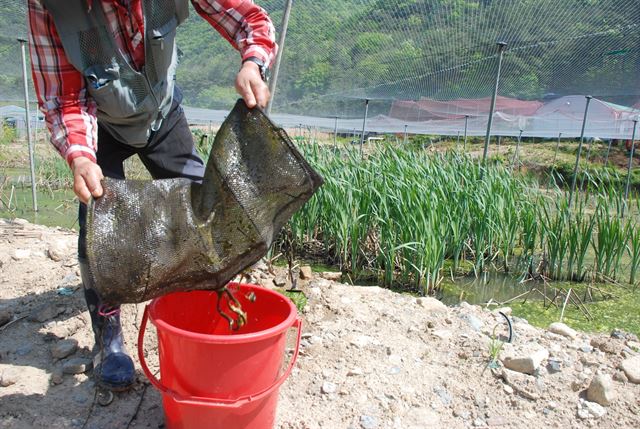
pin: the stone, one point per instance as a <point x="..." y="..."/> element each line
<point x="431" y="305"/>
<point x="620" y="376"/>
<point x="280" y="280"/>
<point x="526" y="362"/>
<point x="315" y="293"/>
<point x="24" y="349"/>
<point x="8" y="378"/>
<point x="523" y="384"/>
<point x="64" y="348"/>
<point x="562" y="329"/>
<point x="328" y="387"/>
<point x="76" y="366"/>
<point x="607" y="344"/>
<point x="45" y="312"/>
<point x="305" y="272"/>
<point x="331" y="275"/>
<point x="21" y="254"/>
<point x="508" y="389"/>
<point x="631" y="368"/>
<point x="355" y="371"/>
<point x="443" y="394"/>
<point x="368" y="422"/>
<point x="601" y="390"/>
<point x="504" y="310"/>
<point x="57" y="377"/>
<point x="55" y="254"/>
<point x="497" y="421"/>
<point x="479" y="423"/>
<point x="5" y="315"/>
<point x="475" y="323"/>
<point x="588" y="409"/>
<point x="554" y="365"/>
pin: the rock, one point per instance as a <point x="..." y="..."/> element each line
<point x="508" y="389"/>
<point x="45" y="312"/>
<point x="368" y="422"/>
<point x="328" y="387"/>
<point x="280" y="280"/>
<point x="526" y="362"/>
<point x="443" y="334"/>
<point x="55" y="254"/>
<point x="331" y="275"/>
<point x="315" y="293"/>
<point x="305" y="272"/>
<point x="24" y="350"/>
<point x="64" y="348"/>
<point x="601" y="390"/>
<point x="362" y="341"/>
<point x="620" y="376"/>
<point x="431" y="305"/>
<point x="607" y="344"/>
<point x="631" y="368"/>
<point x="5" y="315"/>
<point x="623" y="335"/>
<point x="475" y="323"/>
<point x="497" y="421"/>
<point x="523" y="384"/>
<point x="554" y="365"/>
<point x="355" y="371"/>
<point x="7" y="378"/>
<point x="443" y="394"/>
<point x="21" y="254"/>
<point x="587" y="409"/>
<point x="479" y="423"/>
<point x="76" y="366"/>
<point x="504" y="310"/>
<point x="57" y="376"/>
<point x="586" y="348"/>
<point x="562" y="329"/>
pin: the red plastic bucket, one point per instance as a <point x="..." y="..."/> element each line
<point x="211" y="376"/>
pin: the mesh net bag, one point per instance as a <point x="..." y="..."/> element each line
<point x="149" y="238"/>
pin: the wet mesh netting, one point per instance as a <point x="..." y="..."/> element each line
<point x="149" y="238"/>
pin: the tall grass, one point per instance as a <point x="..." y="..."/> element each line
<point x="398" y="214"/>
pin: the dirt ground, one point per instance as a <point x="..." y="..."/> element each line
<point x="370" y="358"/>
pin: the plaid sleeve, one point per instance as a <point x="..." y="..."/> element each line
<point x="244" y="24"/>
<point x="69" y="113"/>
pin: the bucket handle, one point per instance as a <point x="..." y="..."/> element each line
<point x="211" y="402"/>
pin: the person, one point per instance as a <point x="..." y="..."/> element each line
<point x="104" y="73"/>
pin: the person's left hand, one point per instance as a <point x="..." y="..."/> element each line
<point x="251" y="87"/>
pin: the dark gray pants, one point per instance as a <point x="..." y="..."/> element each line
<point x="170" y="153"/>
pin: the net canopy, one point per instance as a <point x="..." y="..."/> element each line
<point x="436" y="58"/>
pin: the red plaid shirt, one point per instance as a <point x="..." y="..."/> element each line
<point x="70" y="112"/>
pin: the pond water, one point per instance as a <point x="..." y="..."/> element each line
<point x="490" y="287"/>
<point x="55" y="208"/>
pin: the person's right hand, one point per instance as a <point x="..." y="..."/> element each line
<point x="86" y="179"/>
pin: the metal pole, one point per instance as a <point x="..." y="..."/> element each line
<point x="606" y="158"/>
<point x="335" y="134"/>
<point x="276" y="66"/>
<point x="28" y="115"/>
<point x="633" y="148"/>
<point x="466" y="121"/>
<point x="515" y="155"/>
<point x="364" y="123"/>
<point x="575" y="169"/>
<point x="405" y="134"/>
<point x="501" y="46"/>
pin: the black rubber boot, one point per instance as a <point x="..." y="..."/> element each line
<point x="112" y="366"/>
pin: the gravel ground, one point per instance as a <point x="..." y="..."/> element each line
<point x="370" y="358"/>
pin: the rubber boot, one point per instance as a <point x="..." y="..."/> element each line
<point x="112" y="366"/>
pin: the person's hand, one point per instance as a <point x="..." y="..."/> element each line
<point x="86" y="179"/>
<point x="251" y="87"/>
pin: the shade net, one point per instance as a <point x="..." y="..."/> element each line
<point x="149" y="238"/>
<point x="340" y="52"/>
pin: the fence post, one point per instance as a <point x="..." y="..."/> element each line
<point x="466" y="121"/>
<point x="364" y="124"/>
<point x="575" y="169"/>
<point x="501" y="47"/>
<point x="28" y="117"/>
<point x="276" y="66"/>
<point x="633" y="148"/>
